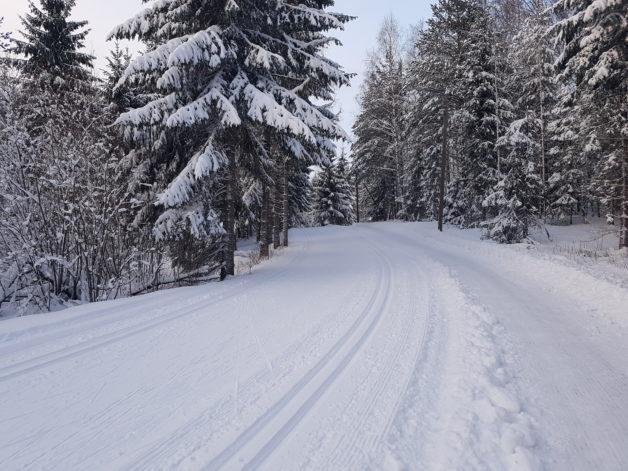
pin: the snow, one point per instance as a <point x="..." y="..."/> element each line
<point x="376" y="346"/>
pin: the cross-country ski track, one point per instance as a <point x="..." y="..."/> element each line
<point x="374" y="347"/>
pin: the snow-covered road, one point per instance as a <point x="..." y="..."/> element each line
<point x="379" y="346"/>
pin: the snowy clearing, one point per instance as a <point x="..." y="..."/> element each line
<point x="377" y="346"/>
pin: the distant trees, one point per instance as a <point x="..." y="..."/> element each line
<point x="378" y="151"/>
<point x="537" y="97"/>
<point x="332" y="195"/>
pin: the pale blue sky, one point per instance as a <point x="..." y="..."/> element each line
<point x="358" y="38"/>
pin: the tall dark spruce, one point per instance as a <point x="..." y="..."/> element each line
<point x="592" y="66"/>
<point x="51" y="48"/>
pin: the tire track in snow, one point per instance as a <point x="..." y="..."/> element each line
<point x="280" y="431"/>
<point x="72" y="351"/>
<point x="183" y="446"/>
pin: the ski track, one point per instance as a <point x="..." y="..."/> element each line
<point x="380" y="346"/>
<point x="115" y="332"/>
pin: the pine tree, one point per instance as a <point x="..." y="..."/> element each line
<point x="230" y="80"/>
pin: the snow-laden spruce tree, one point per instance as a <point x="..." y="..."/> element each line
<point x="332" y="198"/>
<point x="516" y="198"/>
<point x="232" y="83"/>
<point x="436" y="71"/>
<point x="567" y="164"/>
<point x="531" y="84"/>
<point x="482" y="117"/>
<point x="515" y="201"/>
<point x="418" y="135"/>
<point x="593" y="36"/>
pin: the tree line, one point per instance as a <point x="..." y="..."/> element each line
<point x="148" y="176"/>
<point x="498" y="114"/>
<point x="525" y="100"/>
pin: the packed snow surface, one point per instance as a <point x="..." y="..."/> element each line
<point x="378" y="346"/>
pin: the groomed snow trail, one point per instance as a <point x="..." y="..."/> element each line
<point x="380" y="346"/>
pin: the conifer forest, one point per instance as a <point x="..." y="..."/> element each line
<point x="211" y="258"/>
<point x="499" y="115"/>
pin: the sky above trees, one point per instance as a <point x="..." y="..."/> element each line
<point x="358" y="38"/>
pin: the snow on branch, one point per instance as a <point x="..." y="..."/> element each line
<point x="199" y="109"/>
<point x="151" y="114"/>
<point x="205" y="46"/>
<point x="200" y="165"/>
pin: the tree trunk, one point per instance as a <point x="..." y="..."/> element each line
<point x="286" y="204"/>
<point x="623" y="237"/>
<point x="278" y="206"/>
<point x="444" y="158"/>
<point x="264" y="244"/>
<point x="230" y="219"/>
<point x="268" y="230"/>
<point x="357" y="200"/>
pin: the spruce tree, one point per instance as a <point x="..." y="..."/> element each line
<point x="518" y="197"/>
<point x="344" y="193"/>
<point x="122" y="96"/>
<point x="481" y="117"/>
<point x="233" y="83"/>
<point x="593" y="36"/>
<point x="567" y="160"/>
<point x="51" y="48"/>
<point x="436" y="71"/>
<point x="515" y="199"/>
<point x="299" y="190"/>
<point x="531" y="81"/>
<point x="332" y="200"/>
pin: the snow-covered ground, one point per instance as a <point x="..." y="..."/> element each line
<point x="379" y="346"/>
